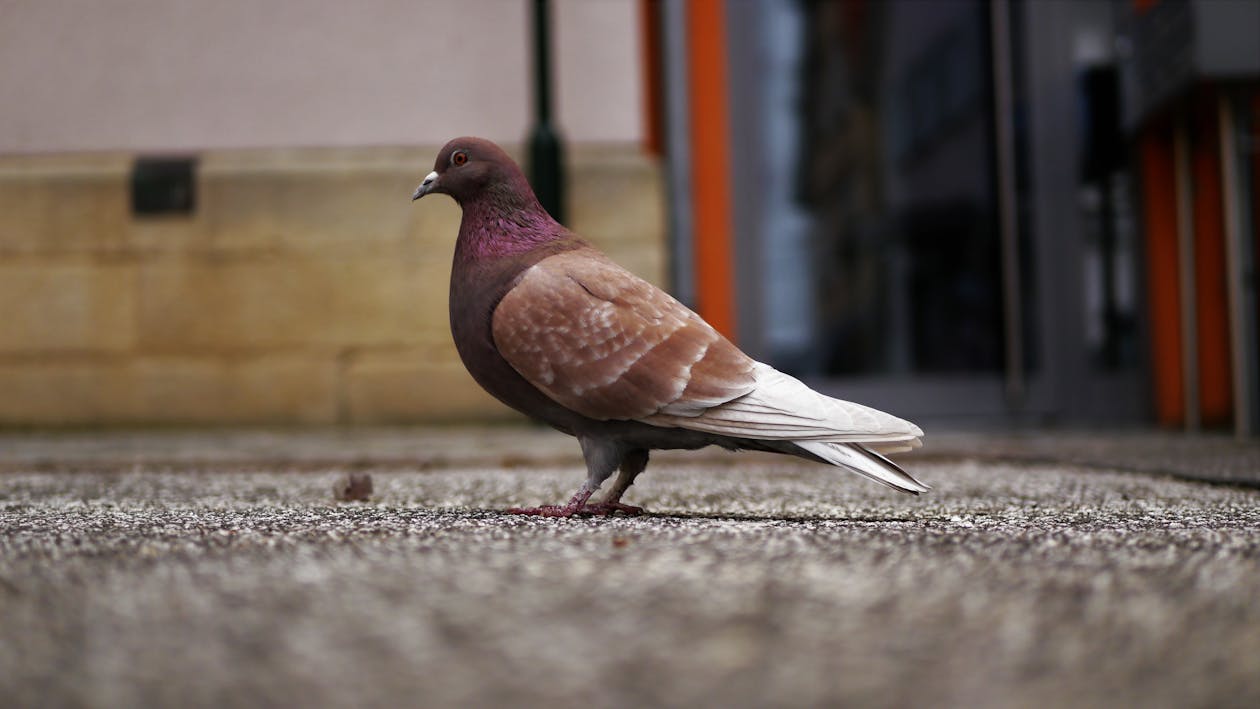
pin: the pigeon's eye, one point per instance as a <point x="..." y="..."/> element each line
<point x="458" y="158"/>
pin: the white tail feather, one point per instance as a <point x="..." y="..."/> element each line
<point x="782" y="408"/>
<point x="866" y="463"/>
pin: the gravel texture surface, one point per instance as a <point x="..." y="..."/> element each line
<point x="211" y="580"/>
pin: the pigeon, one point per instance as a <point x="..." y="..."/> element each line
<point x="553" y="328"/>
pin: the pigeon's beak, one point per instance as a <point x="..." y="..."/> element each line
<point x="425" y="187"/>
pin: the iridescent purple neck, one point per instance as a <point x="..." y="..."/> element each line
<point x="496" y="227"/>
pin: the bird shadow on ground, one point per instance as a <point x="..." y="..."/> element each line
<point x="707" y="516"/>
<point x="807" y="519"/>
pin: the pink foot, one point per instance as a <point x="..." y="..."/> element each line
<point x="546" y="510"/>
<point x="570" y="508"/>
<point x="578" y="505"/>
<point x="610" y="508"/>
<point x="596" y="509"/>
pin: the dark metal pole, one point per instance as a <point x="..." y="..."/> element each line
<point x="1012" y="292"/>
<point x="546" y="167"/>
<point x="1107" y="245"/>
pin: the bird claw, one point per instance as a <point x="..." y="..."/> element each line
<point x="594" y="509"/>
<point x="546" y="510"/>
<point x="607" y="509"/>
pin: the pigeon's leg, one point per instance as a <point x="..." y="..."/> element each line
<point x="602" y="458"/>
<point x="631" y="465"/>
<point x="570" y="508"/>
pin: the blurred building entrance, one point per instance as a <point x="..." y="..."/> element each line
<point x="940" y="245"/>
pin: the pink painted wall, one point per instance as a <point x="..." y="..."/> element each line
<point x="155" y="75"/>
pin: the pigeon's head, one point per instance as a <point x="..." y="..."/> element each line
<point x="469" y="169"/>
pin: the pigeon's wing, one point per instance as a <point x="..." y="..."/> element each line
<point x="609" y="345"/>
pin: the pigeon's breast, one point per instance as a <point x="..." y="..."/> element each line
<point x="477" y="287"/>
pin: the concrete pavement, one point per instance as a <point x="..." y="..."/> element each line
<point x="214" y="568"/>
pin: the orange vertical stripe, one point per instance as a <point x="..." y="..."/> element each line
<point x="710" y="163"/>
<point x="1211" y="282"/>
<point x="1254" y="131"/>
<point x="650" y="49"/>
<point x="1159" y="217"/>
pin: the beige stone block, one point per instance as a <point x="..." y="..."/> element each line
<point x="81" y="203"/>
<point x="33" y="394"/>
<point x="264" y="303"/>
<point x="322" y="200"/>
<point x="92" y="210"/>
<point x="66" y="307"/>
<point x="616" y="197"/>
<point x="43" y="213"/>
<point x="65" y="164"/>
<point x="253" y="390"/>
<point x="645" y="263"/>
<point x="285" y="389"/>
<point x="274" y="389"/>
<point x="25" y="208"/>
<point x="307" y="210"/>
<point x="433" y="229"/>
<point x="160" y="235"/>
<point x="176" y="391"/>
<point x="417" y="386"/>
<point x="377" y="157"/>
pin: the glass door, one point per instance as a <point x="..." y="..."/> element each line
<point x="931" y="254"/>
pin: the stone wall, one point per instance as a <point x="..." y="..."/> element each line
<point x="306" y="287"/>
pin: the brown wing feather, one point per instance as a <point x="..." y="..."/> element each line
<point x="609" y="345"/>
